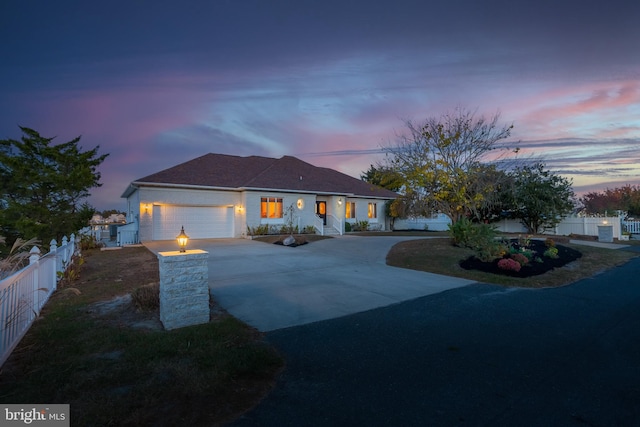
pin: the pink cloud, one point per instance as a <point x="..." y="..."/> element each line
<point x="570" y="111"/>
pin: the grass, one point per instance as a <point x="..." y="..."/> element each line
<point x="114" y="374"/>
<point x="441" y="257"/>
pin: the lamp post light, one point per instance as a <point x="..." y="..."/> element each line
<point x="182" y="240"/>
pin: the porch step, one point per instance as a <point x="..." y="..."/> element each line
<point x="329" y="231"/>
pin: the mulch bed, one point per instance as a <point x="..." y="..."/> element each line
<point x="533" y="268"/>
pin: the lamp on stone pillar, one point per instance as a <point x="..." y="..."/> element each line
<point x="182" y="240"/>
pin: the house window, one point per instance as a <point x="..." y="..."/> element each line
<point x="350" y="210"/>
<point x="270" y="207"/>
<point x="372" y="211"/>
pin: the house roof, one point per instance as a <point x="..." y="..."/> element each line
<point x="260" y="173"/>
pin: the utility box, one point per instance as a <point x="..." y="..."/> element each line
<point x="605" y="233"/>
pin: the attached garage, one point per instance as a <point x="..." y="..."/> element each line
<point x="200" y="222"/>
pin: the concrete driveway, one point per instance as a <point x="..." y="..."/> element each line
<point x="272" y="287"/>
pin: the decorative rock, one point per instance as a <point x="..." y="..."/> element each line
<point x="288" y="241"/>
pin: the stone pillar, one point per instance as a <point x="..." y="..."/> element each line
<point x="184" y="288"/>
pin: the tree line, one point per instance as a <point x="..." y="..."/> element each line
<point x="625" y="199"/>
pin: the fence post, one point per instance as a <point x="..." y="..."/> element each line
<point x="35" y="255"/>
<point x="74" y="244"/>
<point x="53" y="250"/>
<point x="65" y="252"/>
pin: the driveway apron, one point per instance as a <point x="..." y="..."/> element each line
<point x="271" y="286"/>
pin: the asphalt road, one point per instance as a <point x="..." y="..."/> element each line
<point x="479" y="355"/>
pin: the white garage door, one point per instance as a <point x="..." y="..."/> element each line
<point x="200" y="222"/>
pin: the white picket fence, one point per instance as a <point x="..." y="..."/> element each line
<point x="23" y="294"/>
<point x="632" y="227"/>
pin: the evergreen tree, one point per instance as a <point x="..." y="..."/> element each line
<point x="43" y="186"/>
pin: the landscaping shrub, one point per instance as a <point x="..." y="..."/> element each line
<point x="479" y="237"/>
<point x="460" y="232"/>
<point x="520" y="259"/>
<point x="360" y="226"/>
<point x="552" y="252"/>
<point x="147" y="297"/>
<point x="89" y="242"/>
<point x="509" y="264"/>
<point x="347" y="227"/>
<point x="260" y="230"/>
<point x="288" y="229"/>
<point x="309" y="229"/>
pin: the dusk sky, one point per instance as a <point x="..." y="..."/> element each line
<point x="157" y="83"/>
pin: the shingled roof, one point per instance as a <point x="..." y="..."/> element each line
<point x="262" y="173"/>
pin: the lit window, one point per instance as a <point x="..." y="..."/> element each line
<point x="372" y="211"/>
<point x="270" y="207"/>
<point x="350" y="210"/>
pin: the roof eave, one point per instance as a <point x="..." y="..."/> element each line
<point x="137" y="184"/>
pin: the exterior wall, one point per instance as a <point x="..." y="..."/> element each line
<point x="247" y="207"/>
<point x="303" y="213"/>
<point x="362" y="209"/>
<point x="133" y="207"/>
<point x="149" y="196"/>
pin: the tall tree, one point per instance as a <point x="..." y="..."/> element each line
<point x="539" y="197"/>
<point x="382" y="176"/>
<point x="626" y="199"/>
<point x="441" y="161"/>
<point x="43" y="186"/>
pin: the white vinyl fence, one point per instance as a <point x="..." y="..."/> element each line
<point x="438" y="222"/>
<point x="23" y="294"/>
<point x="585" y="226"/>
<point x="127" y="234"/>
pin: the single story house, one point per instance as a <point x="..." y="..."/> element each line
<point x="219" y="195"/>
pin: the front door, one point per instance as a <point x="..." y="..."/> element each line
<point x="321" y="211"/>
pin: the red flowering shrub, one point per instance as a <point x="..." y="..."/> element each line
<point x="509" y="264"/>
<point x="520" y="259"/>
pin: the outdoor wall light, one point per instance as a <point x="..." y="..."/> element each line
<point x="340" y="201"/>
<point x="182" y="240"/>
<point x="300" y="204"/>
